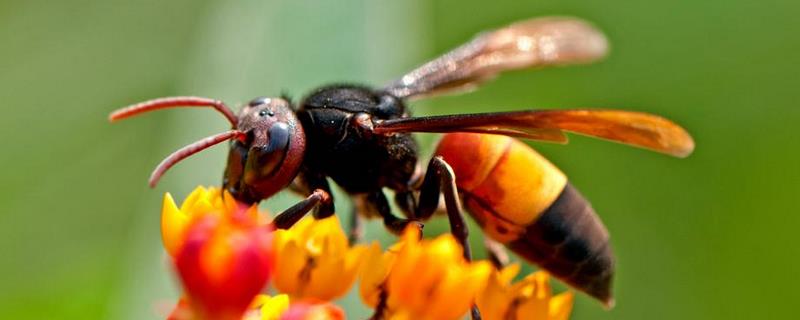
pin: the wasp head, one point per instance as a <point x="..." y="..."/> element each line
<point x="269" y="156"/>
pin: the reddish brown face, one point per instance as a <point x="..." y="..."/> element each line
<point x="270" y="156"/>
<point x="260" y="114"/>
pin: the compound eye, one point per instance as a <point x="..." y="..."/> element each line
<point x="259" y="101"/>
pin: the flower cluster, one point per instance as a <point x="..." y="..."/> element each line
<point x="228" y="254"/>
<point x="530" y="298"/>
<point x="315" y="262"/>
<point x="422" y="279"/>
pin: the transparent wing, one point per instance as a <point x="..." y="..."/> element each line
<point x="525" y="44"/>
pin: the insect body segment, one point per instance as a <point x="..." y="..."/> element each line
<point x="522" y="200"/>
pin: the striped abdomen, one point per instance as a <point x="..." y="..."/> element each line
<point x="523" y="201"/>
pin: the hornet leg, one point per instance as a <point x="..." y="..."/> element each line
<point x="496" y="253"/>
<point x="290" y="216"/>
<point x="308" y="180"/>
<point x="440" y="178"/>
<point x="356" y="232"/>
<point x="377" y="201"/>
<point x="407" y="203"/>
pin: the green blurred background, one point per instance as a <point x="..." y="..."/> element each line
<point x="709" y="237"/>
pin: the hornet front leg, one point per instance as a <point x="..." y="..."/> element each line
<point x="289" y="217"/>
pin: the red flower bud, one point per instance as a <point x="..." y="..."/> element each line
<point x="223" y="265"/>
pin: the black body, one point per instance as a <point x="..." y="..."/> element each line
<point x="338" y="147"/>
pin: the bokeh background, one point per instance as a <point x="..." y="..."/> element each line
<point x="713" y="236"/>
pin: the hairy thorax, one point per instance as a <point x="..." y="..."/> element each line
<point x="357" y="161"/>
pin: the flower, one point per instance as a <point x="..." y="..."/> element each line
<point x="315" y="262"/>
<point x="313" y="311"/>
<point x="225" y="253"/>
<point x="530" y="298"/>
<point x="201" y="202"/>
<point x="428" y="279"/>
<point x="372" y="280"/>
<point x="265" y="307"/>
<point x="222" y="251"/>
<point x="182" y="310"/>
<point x="278" y="307"/>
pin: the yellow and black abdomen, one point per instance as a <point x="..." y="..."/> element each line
<point x="523" y="201"/>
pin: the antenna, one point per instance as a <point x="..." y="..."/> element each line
<point x="191" y="149"/>
<point x="173" y="102"/>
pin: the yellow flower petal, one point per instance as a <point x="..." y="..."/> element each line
<point x="373" y="273"/>
<point x="315" y="261"/>
<point x="196" y="194"/>
<point x="508" y="273"/>
<point x="228" y="202"/>
<point x="535" y="289"/>
<point x="266" y="307"/>
<point x="561" y="306"/>
<point x="494" y="301"/>
<point x="430" y="279"/>
<point x="342" y="269"/>
<point x="202" y="206"/>
<point x="530" y="298"/>
<point x="533" y="309"/>
<point x="328" y="280"/>
<point x="459" y="288"/>
<point x="403" y="315"/>
<point x="173" y="225"/>
<point x="289" y="265"/>
<point x="273" y="307"/>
